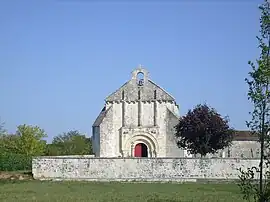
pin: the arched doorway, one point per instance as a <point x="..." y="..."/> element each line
<point x="141" y="150"/>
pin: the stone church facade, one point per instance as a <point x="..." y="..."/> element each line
<point x="138" y="120"/>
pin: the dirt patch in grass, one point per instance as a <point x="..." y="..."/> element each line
<point x="16" y="175"/>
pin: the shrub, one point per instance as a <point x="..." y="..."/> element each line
<point x="15" y="162"/>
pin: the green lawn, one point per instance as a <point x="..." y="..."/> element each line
<point x="88" y="191"/>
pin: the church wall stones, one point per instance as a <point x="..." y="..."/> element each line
<point x="138" y="169"/>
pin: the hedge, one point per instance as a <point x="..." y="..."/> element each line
<point x="15" y="162"/>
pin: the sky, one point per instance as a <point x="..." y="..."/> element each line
<point x="59" y="59"/>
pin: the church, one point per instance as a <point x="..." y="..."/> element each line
<point x="138" y="120"/>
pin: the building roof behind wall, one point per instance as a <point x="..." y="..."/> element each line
<point x="245" y="135"/>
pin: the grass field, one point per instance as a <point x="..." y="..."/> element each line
<point x="16" y="191"/>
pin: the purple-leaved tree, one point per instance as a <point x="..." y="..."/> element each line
<point x="203" y="130"/>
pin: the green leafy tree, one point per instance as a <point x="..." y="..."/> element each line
<point x="52" y="150"/>
<point x="3" y="131"/>
<point x="72" y="143"/>
<point x="259" y="94"/>
<point x="30" y="140"/>
<point x="202" y="130"/>
<point x="2" y="136"/>
<point x="9" y="143"/>
<point x="13" y="149"/>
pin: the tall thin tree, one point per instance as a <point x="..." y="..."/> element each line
<point x="259" y="95"/>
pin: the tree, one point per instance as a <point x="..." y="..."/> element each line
<point x="259" y="94"/>
<point x="16" y="150"/>
<point x="52" y="150"/>
<point x="72" y="143"/>
<point x="203" y="131"/>
<point x="30" y="141"/>
<point x="2" y="129"/>
<point x="9" y="143"/>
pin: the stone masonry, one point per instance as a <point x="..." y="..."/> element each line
<point x="138" y="169"/>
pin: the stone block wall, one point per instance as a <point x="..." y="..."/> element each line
<point x="138" y="169"/>
<point x="238" y="149"/>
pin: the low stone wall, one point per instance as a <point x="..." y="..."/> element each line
<point x="138" y="169"/>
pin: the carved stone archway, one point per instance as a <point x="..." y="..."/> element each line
<point x="146" y="139"/>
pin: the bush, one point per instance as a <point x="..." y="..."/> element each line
<point x="15" y="162"/>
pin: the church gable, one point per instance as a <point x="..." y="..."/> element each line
<point x="140" y="88"/>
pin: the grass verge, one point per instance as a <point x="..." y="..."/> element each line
<point x="25" y="190"/>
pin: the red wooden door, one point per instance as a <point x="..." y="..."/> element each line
<point x="138" y="150"/>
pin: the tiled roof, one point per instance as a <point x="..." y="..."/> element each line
<point x="243" y="135"/>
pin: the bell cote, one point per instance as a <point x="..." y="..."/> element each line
<point x="140" y="76"/>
